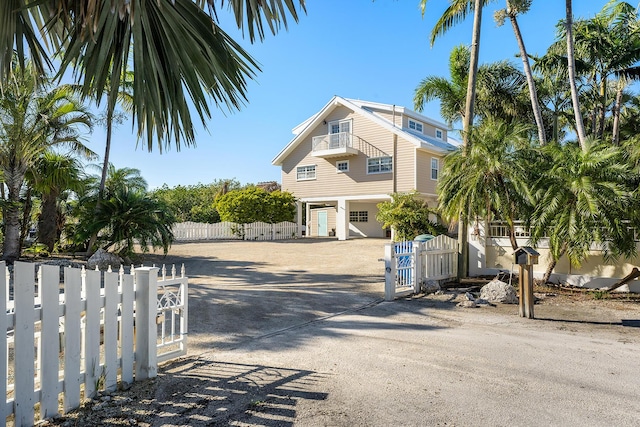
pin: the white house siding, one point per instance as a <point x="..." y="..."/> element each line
<point x="371" y="228"/>
<point x="424" y="183"/>
<point x="372" y="142"/>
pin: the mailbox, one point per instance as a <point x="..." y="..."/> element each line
<point x="525" y="255"/>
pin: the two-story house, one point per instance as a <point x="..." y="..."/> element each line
<point x="352" y="155"/>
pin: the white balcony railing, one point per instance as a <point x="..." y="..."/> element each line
<point x="333" y="144"/>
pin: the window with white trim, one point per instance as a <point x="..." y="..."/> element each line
<point x="414" y="125"/>
<point x="304" y="173"/>
<point x="380" y="165"/>
<point x="358" y="216"/>
<point x="439" y="134"/>
<point x="435" y="168"/>
<point x="342" y="166"/>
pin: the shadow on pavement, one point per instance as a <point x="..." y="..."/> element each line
<point x="203" y="392"/>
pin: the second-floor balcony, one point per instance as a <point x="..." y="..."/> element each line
<point x="333" y="145"/>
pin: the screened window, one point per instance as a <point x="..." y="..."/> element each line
<point x="413" y="125"/>
<point x="435" y="168"/>
<point x="379" y="165"/>
<point x="358" y="216"/>
<point x="306" y="172"/>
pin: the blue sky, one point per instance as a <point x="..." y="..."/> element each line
<point x="371" y="50"/>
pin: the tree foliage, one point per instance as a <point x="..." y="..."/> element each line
<point x="408" y="215"/>
<point x="196" y="203"/>
<point x="254" y="204"/>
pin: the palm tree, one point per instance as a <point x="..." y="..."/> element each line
<point x="571" y="68"/>
<point x="457" y="12"/>
<point x="584" y="196"/>
<point x="53" y="174"/>
<point x="32" y="120"/>
<point x="513" y="9"/>
<point x="492" y="178"/>
<point x="180" y="55"/>
<point x="128" y="217"/>
<point x="499" y="90"/>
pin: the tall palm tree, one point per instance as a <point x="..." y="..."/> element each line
<point x="490" y="180"/>
<point x="32" y="120"/>
<point x="571" y="69"/>
<point x="53" y="174"/>
<point x="584" y="196"/>
<point x="513" y="9"/>
<point x="180" y="55"/>
<point x="457" y="12"/>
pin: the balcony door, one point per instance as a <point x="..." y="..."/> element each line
<point x="339" y="133"/>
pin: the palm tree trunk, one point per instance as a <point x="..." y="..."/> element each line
<point x="533" y="93"/>
<point x="26" y="217"/>
<point x="571" y="65"/>
<point x="473" y="74"/>
<point x="616" y="114"/>
<point x="552" y="264"/>
<point x="463" y="240"/>
<point x="48" y="221"/>
<point x="11" y="247"/>
<point x="103" y="177"/>
<point x="603" y="107"/>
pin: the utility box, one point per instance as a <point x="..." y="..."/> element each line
<point x="525" y="255"/>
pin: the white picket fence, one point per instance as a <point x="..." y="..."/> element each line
<point x="409" y="264"/>
<point x="193" y="231"/>
<point x="85" y="334"/>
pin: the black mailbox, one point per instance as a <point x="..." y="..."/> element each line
<point x="525" y="255"/>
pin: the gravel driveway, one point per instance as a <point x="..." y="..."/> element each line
<point x="296" y="333"/>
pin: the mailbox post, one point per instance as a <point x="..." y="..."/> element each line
<point x="526" y="257"/>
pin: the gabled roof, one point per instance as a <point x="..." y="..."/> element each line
<point x="366" y="109"/>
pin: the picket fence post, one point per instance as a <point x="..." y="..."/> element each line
<point x="417" y="266"/>
<point x="146" y="282"/>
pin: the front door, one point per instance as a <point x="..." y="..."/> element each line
<point x="323" y="230"/>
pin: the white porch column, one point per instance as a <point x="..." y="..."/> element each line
<point x="307" y="220"/>
<point x="342" y="220"/>
<point x="299" y="217"/>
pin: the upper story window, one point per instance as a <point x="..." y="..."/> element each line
<point x="342" y="166"/>
<point x="413" y="125"/>
<point x="304" y="173"/>
<point x="439" y="134"/>
<point x="379" y="165"/>
<point x="340" y="133"/>
<point x="435" y="168"/>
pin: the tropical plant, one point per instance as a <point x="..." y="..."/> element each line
<point x="53" y="174"/>
<point x="129" y="217"/>
<point x="584" y="196"/>
<point x="409" y="216"/>
<point x="180" y="55"/>
<point x="254" y="204"/>
<point x="33" y="118"/>
<point x="491" y="180"/>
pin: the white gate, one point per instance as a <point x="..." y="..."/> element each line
<point x="409" y="264"/>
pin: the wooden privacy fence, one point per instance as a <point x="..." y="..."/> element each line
<point x="66" y="341"/>
<point x="192" y="231"/>
<point x="409" y="264"/>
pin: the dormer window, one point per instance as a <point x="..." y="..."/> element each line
<point x="413" y="125"/>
